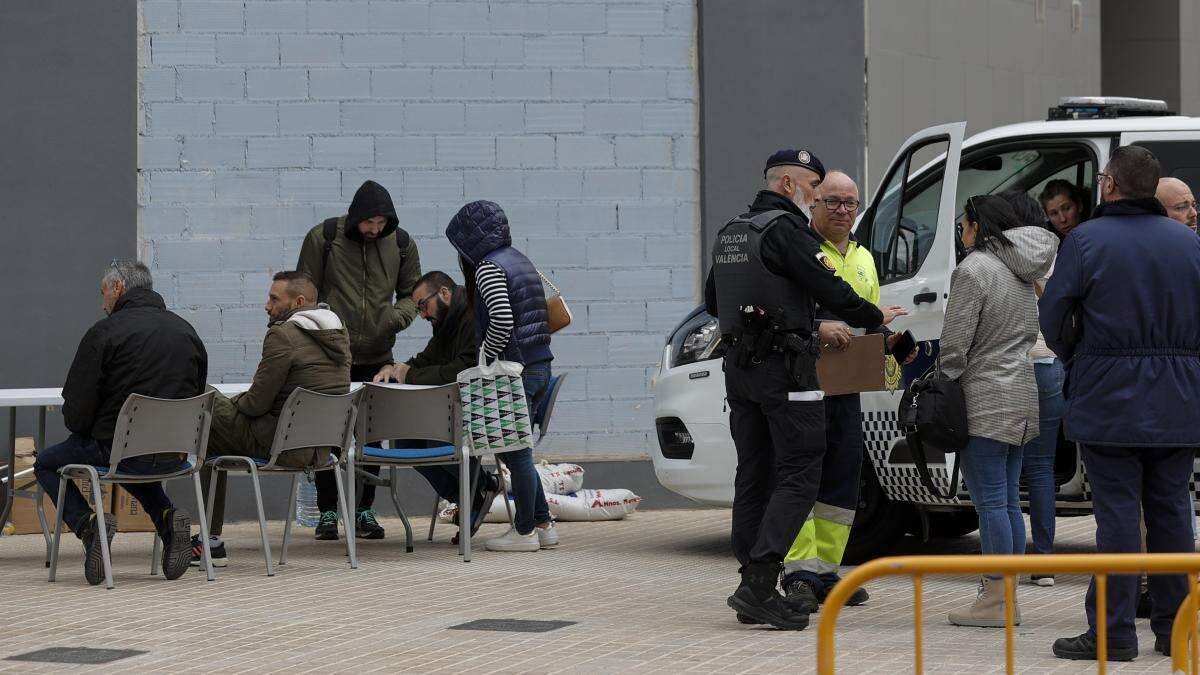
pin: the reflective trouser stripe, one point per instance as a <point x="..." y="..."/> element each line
<point x="822" y="541"/>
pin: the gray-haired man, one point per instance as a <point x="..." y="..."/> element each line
<point x="140" y="348"/>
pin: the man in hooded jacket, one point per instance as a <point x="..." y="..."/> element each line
<point x="1120" y="311"/>
<point x="365" y="268"/>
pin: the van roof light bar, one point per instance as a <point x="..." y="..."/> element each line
<point x="1106" y="107"/>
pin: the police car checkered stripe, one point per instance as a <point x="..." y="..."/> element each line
<point x="900" y="482"/>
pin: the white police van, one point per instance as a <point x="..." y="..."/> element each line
<point x="910" y="228"/>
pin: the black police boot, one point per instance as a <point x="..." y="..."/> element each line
<point x="757" y="599"/>
<point x="1083" y="648"/>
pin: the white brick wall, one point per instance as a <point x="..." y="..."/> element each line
<point x="261" y="117"/>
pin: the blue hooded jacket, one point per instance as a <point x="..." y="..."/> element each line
<point x="479" y="231"/>
<point x="1133" y="276"/>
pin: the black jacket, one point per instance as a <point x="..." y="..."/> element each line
<point x="790" y="249"/>
<point x="452" y="349"/>
<point x="140" y="348"/>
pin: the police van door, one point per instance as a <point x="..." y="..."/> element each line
<point x="910" y="228"/>
<point x="911" y="232"/>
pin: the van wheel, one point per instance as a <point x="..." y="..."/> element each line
<point x="951" y="525"/>
<point x="879" y="522"/>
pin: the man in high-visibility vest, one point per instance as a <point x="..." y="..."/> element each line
<point x="811" y="566"/>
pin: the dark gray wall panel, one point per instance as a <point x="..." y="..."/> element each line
<point x="68" y="174"/>
<point x="776" y="74"/>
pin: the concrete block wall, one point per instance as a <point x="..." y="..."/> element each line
<point x="259" y="118"/>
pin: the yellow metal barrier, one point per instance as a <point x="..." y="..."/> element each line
<point x="1099" y="564"/>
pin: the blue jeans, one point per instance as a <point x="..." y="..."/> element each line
<point x="1038" y="455"/>
<point x="992" y="470"/>
<point x="78" y="449"/>
<point x="529" y="499"/>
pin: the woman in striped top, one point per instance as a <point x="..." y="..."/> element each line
<point x="506" y="296"/>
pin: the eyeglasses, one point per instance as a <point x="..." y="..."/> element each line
<point x="832" y="205"/>
<point x="1101" y="176"/>
<point x="421" y="303"/>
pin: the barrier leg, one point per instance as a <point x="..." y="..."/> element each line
<point x="1101" y="623"/>
<point x="1010" y="599"/>
<point x="918" y="629"/>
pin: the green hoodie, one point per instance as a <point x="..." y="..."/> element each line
<point x="365" y="281"/>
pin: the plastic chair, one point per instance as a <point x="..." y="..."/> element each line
<point x="145" y="426"/>
<point x="309" y="420"/>
<point x="428" y="413"/>
<point x="541" y="420"/>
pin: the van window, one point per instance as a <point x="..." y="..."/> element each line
<point x="901" y="230"/>
<point x="1179" y="159"/>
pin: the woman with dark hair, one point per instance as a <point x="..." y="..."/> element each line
<point x="505" y="293"/>
<point x="1037" y="456"/>
<point x="1065" y="204"/>
<point x="991" y="323"/>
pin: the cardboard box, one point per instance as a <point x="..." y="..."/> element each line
<point x="128" y="511"/>
<point x="860" y="367"/>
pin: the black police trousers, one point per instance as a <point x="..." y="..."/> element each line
<point x="779" y="431"/>
<point x="1155" y="484"/>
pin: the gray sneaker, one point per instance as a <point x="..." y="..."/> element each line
<point x="93" y="555"/>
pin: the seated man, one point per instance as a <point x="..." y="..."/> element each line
<point x="453" y="348"/>
<point x="141" y="348"/>
<point x="306" y="346"/>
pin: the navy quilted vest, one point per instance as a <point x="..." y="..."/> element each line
<point x="479" y="231"/>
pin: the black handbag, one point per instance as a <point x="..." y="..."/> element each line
<point x="933" y="417"/>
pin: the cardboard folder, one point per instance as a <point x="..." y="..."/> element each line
<point x="857" y="368"/>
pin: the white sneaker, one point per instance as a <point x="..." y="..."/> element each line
<point x="511" y="541"/>
<point x="547" y="536"/>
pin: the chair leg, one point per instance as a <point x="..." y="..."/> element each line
<point x="154" y="552"/>
<point x="351" y="500"/>
<point x="433" y="518"/>
<point x="41" y="514"/>
<point x="464" y="504"/>
<point x="208" y="566"/>
<point x="350" y="543"/>
<point x="262" y="519"/>
<point x="212" y="491"/>
<point x="291" y="515"/>
<point x="408" y="535"/>
<point x="58" y="525"/>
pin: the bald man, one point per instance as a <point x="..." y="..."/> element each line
<point x="1176" y="197"/>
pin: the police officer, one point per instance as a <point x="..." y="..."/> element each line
<point x="768" y="268"/>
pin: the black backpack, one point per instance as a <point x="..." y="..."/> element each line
<point x="329" y="231"/>
<point x="933" y="416"/>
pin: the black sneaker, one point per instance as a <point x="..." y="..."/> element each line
<point x="327" y="526"/>
<point x="1162" y="646"/>
<point x="1083" y="648"/>
<point x="801" y="595"/>
<point x="772" y="609"/>
<point x="93" y="554"/>
<point x="177" y="549"/>
<point x="366" y="526"/>
<point x="1043" y="580"/>
<point x="219" y="557"/>
<point x="860" y="596"/>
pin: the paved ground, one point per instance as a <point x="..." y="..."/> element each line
<point x="648" y="595"/>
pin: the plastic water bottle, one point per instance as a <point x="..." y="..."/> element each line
<point x="307" y="514"/>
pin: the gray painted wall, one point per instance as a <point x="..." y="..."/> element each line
<point x="68" y="192"/>
<point x="774" y="78"/>
<point x="990" y="63"/>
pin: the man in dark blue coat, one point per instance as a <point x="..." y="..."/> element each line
<point x="1121" y="311"/>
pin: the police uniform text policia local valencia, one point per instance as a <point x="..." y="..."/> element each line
<point x="768" y="269"/>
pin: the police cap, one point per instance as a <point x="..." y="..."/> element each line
<point x="801" y="158"/>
